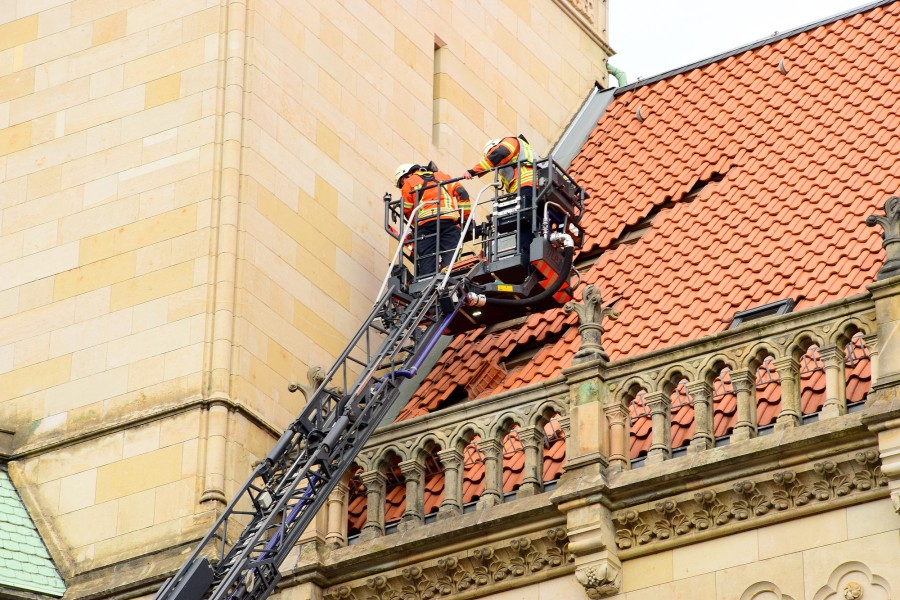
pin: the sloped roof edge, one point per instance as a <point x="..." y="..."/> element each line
<point x="751" y="46"/>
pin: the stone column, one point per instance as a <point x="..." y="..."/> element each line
<point x="661" y="417"/>
<point x="617" y="417"/>
<point x="217" y="420"/>
<point x="374" y="482"/>
<point x="835" y="382"/>
<point x="451" y="505"/>
<point x="871" y="341"/>
<point x="493" y="473"/>
<point x="336" y="536"/>
<point x="703" y="437"/>
<point x="413" y="471"/>
<point x="788" y="372"/>
<point x="744" y="384"/>
<point x="532" y="439"/>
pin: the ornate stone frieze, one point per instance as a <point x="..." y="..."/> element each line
<point x="463" y="573"/>
<point x="585" y="8"/>
<point x="749" y="500"/>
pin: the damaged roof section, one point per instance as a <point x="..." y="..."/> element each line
<point x="25" y="563"/>
<point x="793" y="144"/>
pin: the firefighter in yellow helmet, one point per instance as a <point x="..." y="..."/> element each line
<point x="438" y="218"/>
<point x="515" y="157"/>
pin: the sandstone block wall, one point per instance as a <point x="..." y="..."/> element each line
<point x="191" y="215"/>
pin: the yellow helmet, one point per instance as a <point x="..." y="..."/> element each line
<point x="402" y="170"/>
<point x="490" y="144"/>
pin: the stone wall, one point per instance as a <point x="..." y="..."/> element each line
<point x="191" y="216"/>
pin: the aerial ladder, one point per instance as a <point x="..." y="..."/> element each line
<point x="521" y="262"/>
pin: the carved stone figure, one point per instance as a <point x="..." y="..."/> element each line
<point x="890" y="224"/>
<point x="590" y="313"/>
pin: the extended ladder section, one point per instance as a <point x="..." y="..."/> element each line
<point x="239" y="558"/>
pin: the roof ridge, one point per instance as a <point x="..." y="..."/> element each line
<point x="752" y="46"/>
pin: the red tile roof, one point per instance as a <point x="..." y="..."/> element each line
<point x="760" y="184"/>
<point x="756" y="185"/>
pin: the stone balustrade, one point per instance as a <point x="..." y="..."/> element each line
<point x="786" y="370"/>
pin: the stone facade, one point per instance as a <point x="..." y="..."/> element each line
<point x="191" y="216"/>
<point x="796" y="511"/>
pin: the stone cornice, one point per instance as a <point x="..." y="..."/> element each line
<point x="487" y="568"/>
<point x="578" y="19"/>
<point x="747" y="458"/>
<point x="137" y="419"/>
<point x="518" y="518"/>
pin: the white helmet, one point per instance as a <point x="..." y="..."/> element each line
<point x="404" y="169"/>
<point x="490" y="144"/>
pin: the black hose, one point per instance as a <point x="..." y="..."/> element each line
<point x="568" y="255"/>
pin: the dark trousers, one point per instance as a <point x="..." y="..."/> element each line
<point x="431" y="244"/>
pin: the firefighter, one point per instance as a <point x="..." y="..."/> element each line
<point x="437" y="222"/>
<point x="516" y="158"/>
<point x="511" y="153"/>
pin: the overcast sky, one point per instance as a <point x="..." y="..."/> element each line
<point x="653" y="36"/>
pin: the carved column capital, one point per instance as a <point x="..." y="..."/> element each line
<point x="658" y="402"/>
<point x="451" y="457"/>
<point x="490" y="447"/>
<point x="412" y="469"/>
<point x="590" y="313"/>
<point x="616" y="412"/>
<point x="742" y="380"/>
<point x="372" y="479"/>
<point x="890" y="237"/>
<point x="531" y="436"/>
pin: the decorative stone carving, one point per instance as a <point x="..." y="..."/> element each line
<point x="315" y="375"/>
<point x="585" y="8"/>
<point x="749" y="500"/>
<point x="852" y="591"/>
<point x="890" y="236"/>
<point x="600" y="579"/>
<point x="590" y="313"/>
<point x="854" y="581"/>
<point x="451" y="575"/>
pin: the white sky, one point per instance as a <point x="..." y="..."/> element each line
<point x="653" y="36"/>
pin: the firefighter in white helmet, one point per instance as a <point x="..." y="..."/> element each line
<point x="437" y="223"/>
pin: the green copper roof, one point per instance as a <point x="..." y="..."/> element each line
<point x="24" y="561"/>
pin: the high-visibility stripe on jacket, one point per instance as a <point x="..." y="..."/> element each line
<point x="508" y="152"/>
<point x="423" y="186"/>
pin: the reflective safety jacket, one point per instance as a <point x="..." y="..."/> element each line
<point x="511" y="151"/>
<point x="424" y="186"/>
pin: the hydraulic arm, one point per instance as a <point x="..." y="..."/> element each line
<point x="239" y="558"/>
